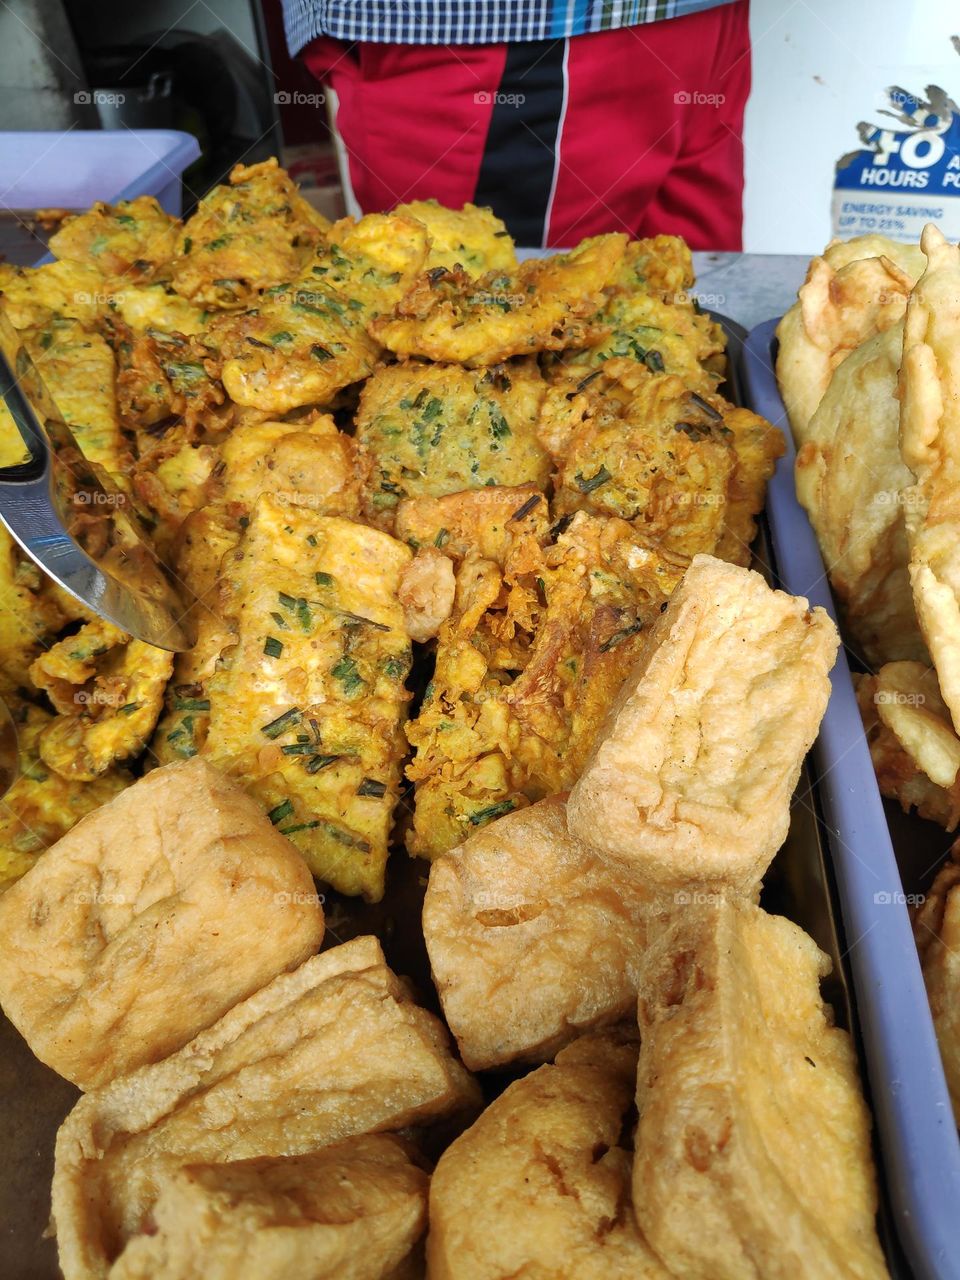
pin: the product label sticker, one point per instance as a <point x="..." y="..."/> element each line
<point x="906" y="174"/>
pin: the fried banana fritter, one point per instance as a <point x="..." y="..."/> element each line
<point x="307" y="710"/>
<point x="429" y="430"/>
<point x="134" y="239"/>
<point x="41" y="806"/>
<point x="527" y="665"/>
<point x="308" y="339"/>
<point x="689" y="471"/>
<point x="544" y="305"/>
<point x="471" y="238"/>
<point x="753" y="1154"/>
<point x="255" y="232"/>
<point x="108" y="690"/>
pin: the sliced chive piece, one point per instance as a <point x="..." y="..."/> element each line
<point x="620" y="635"/>
<point x="298" y="826"/>
<point x="491" y="811"/>
<point x="190" y="704"/>
<point x="298" y="749"/>
<point x="272" y="647"/>
<point x="281" y="621"/>
<point x="587" y="484"/>
<point x="371" y="787"/>
<point x="280" y="811"/>
<point x="527" y="507"/>
<point x="282" y="723"/>
<point x="323" y="579"/>
<point x="318" y="762"/>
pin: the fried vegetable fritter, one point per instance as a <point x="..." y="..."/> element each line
<point x="30" y="616"/>
<point x="307" y="339"/>
<point x="108" y="690"/>
<point x="307" y="709"/>
<point x="255" y="232"/>
<point x="41" y="806"/>
<point x="688" y="470"/>
<point x="526" y="668"/>
<point x="472" y="238"/>
<point x="936" y="928"/>
<point x="32" y="296"/>
<point x="429" y="430"/>
<point x="544" y="305"/>
<point x="133" y="239"/>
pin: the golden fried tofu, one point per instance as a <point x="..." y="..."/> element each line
<point x="544" y="305"/>
<point x="308" y="463"/>
<point x="149" y="920"/>
<point x="851" y="480"/>
<point x="204" y="540"/>
<point x="29" y="615"/>
<point x="913" y="745"/>
<point x="78" y="369"/>
<point x="936" y="928"/>
<point x="691" y="777"/>
<point x="108" y="690"/>
<point x="307" y="707"/>
<point x="471" y="238"/>
<point x="308" y="339"/>
<point x="539" y="1186"/>
<point x="335" y="1049"/>
<point x="40" y="806"/>
<point x="133" y="239"/>
<point x="930" y="445"/>
<point x="688" y="470"/>
<point x="527" y="665"/>
<point x="427" y="429"/>
<point x="351" y="1211"/>
<point x="856" y="289"/>
<point x="753" y="1153"/>
<point x="532" y="938"/>
<point x="32" y="296"/>
<point x="249" y="234"/>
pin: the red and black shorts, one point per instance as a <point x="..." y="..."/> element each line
<point x="637" y="129"/>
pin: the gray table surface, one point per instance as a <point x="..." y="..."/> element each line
<point x="748" y="287"/>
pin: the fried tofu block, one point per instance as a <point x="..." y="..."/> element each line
<point x="149" y="920"/>
<point x="307" y="707"/>
<point x="308" y="339"/>
<point x="857" y="288"/>
<point x="108" y="689"/>
<point x="691" y="776"/>
<point x="850" y="479"/>
<point x="33" y="296"/>
<point x="753" y="1149"/>
<point x="352" y="1211"/>
<point x="133" y="239"/>
<point x="539" y="1185"/>
<point x="471" y="238"/>
<point x="930" y="445"/>
<point x="527" y="665"/>
<point x="333" y="1050"/>
<point x="429" y="430"/>
<point x="249" y="234"/>
<point x="913" y="745"/>
<point x="688" y="470"/>
<point x="936" y="928"/>
<point x="544" y="305"/>
<point x="40" y="806"/>
<point x="532" y="939"/>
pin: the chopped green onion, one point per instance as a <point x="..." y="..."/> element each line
<point x="282" y="723"/>
<point x="272" y="647"/>
<point x="280" y="811"/>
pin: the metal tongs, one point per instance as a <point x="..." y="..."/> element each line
<point x="76" y="524"/>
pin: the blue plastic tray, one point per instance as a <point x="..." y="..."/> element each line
<point x="917" y="1134"/>
<point x="70" y="169"/>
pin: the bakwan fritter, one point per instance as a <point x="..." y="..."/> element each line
<point x="368" y="447"/>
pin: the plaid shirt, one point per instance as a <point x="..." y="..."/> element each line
<point x="470" y="21"/>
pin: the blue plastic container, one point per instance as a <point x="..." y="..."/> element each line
<point x="71" y="169"/>
<point x="917" y="1134"/>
